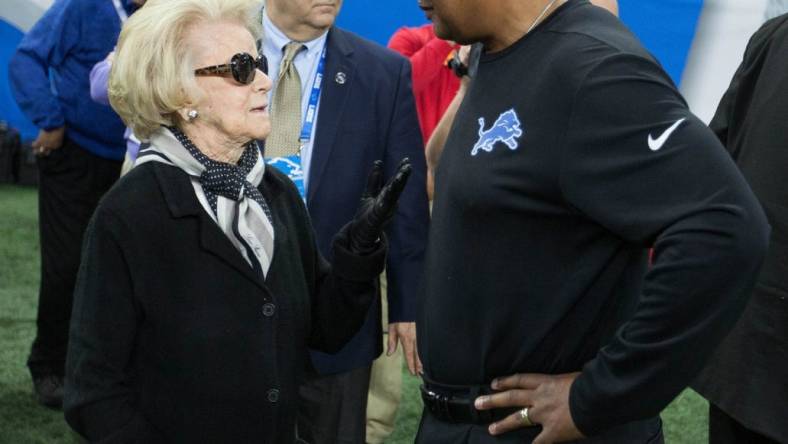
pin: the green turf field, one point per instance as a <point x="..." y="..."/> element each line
<point x="23" y="421"/>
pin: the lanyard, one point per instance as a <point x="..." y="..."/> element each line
<point x="121" y="12"/>
<point x="314" y="96"/>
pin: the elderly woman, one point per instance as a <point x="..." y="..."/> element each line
<point x="201" y="286"/>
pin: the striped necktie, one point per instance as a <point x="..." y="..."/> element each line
<point x="286" y="109"/>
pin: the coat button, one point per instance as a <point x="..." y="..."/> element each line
<point x="273" y="395"/>
<point x="269" y="309"/>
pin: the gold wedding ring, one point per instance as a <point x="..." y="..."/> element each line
<point x="525" y="419"/>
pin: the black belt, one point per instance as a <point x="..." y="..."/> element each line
<point x="455" y="404"/>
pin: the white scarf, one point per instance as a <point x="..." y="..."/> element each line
<point x="246" y="221"/>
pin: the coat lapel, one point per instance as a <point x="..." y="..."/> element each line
<point x="338" y="80"/>
<point x="182" y="202"/>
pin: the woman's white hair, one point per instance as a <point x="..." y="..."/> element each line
<point x="152" y="74"/>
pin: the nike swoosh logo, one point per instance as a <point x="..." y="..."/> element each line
<point x="655" y="145"/>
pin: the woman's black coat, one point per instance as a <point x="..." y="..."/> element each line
<point x="174" y="337"/>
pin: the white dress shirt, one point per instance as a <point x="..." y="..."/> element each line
<point x="306" y="62"/>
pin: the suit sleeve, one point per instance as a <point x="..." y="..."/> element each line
<point x="638" y="163"/>
<point x="99" y="401"/>
<point x="45" y="46"/>
<point x="407" y="232"/>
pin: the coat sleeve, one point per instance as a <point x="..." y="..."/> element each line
<point x="641" y="165"/>
<point x="407" y="232"/>
<point x="99" y="400"/>
<point x="343" y="291"/>
<point x="45" y="46"/>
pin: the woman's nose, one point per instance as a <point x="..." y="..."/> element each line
<point x="262" y="82"/>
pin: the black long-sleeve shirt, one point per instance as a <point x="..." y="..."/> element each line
<point x="571" y="154"/>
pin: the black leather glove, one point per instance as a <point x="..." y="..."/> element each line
<point x="377" y="207"/>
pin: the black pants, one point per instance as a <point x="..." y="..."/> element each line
<point x="435" y="431"/>
<point x="332" y="409"/>
<point x="71" y="182"/>
<point x="724" y="429"/>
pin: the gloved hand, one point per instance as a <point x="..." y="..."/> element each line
<point x="377" y="207"/>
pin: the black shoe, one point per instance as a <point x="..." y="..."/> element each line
<point x="49" y="391"/>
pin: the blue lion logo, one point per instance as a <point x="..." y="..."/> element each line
<point x="506" y="129"/>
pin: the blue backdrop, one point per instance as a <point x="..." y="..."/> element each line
<point x="9" y="38"/>
<point x="666" y="27"/>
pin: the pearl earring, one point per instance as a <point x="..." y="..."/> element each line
<point x="192" y="114"/>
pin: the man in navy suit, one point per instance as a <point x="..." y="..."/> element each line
<point x="356" y="107"/>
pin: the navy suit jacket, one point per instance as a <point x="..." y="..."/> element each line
<point x="367" y="112"/>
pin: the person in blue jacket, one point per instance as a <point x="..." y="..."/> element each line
<point x="79" y="150"/>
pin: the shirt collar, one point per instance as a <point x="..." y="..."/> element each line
<point x="275" y="40"/>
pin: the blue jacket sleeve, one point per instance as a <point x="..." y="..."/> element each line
<point x="408" y="230"/>
<point x="45" y="46"/>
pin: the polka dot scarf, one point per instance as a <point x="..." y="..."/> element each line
<point x="224" y="179"/>
<point x="227" y="192"/>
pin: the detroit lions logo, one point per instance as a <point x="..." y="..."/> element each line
<point x="506" y="129"/>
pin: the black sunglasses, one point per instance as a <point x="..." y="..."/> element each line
<point x="242" y="67"/>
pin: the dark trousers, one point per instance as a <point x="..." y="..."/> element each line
<point x="723" y="429"/>
<point x="435" y="431"/>
<point x="71" y="182"/>
<point x="332" y="409"/>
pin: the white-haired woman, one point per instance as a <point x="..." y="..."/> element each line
<point x="201" y="285"/>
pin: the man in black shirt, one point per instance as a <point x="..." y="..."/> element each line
<point x="571" y="154"/>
